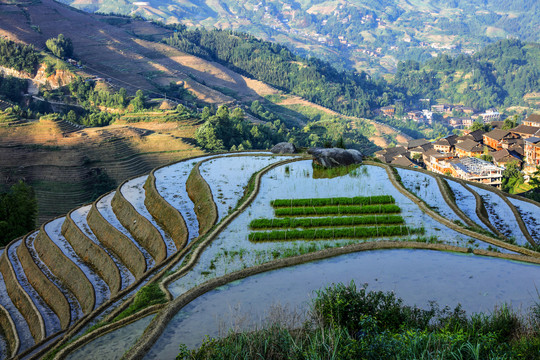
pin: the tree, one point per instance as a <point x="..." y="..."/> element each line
<point x="61" y="46"/>
<point x="137" y="103"/>
<point x="512" y="177"/>
<point x="534" y="181"/>
<point x="18" y="210"/>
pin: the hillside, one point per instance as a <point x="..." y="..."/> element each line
<point x="359" y="34"/>
<point x="129" y="262"/>
<point x="69" y="165"/>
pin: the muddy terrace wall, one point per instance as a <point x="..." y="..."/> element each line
<point x="8" y="328"/>
<point x="92" y="254"/>
<point x="165" y="214"/>
<point x="46" y="289"/>
<point x="199" y="192"/>
<point x="117" y="242"/>
<point x="64" y="269"/>
<point x="140" y="228"/>
<point x="21" y="299"/>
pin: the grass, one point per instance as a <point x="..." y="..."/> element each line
<point x="338" y="210"/>
<point x="324" y="222"/>
<point x="358" y="200"/>
<point x="350" y="323"/>
<point x="148" y="295"/>
<point x="338" y="233"/>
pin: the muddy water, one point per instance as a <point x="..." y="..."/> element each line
<point x="417" y="276"/>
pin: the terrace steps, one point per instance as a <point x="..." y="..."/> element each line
<point x="70" y="266"/>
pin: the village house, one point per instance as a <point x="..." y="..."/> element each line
<point x="504" y="157"/>
<point x="473" y="169"/>
<point x="526" y="131"/>
<point x="476" y="135"/>
<point x="437" y="162"/>
<point x="532" y="151"/>
<point x="468" y="148"/>
<point x="388" y="110"/>
<point x="490" y="115"/>
<point x="402" y="160"/>
<point x="389" y="154"/>
<point x="494" y="138"/>
<point x="416" y="143"/>
<point x="441" y="108"/>
<point x="446" y="144"/>
<point x="532" y="120"/>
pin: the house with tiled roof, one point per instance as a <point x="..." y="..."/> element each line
<point x="476" y="135"/>
<point x="445" y="144"/>
<point x="504" y="157"/>
<point x="532" y="120"/>
<point x="389" y="154"/>
<point x="469" y="148"/>
<point x="525" y="131"/>
<point x="494" y="138"/>
<point x="416" y="142"/>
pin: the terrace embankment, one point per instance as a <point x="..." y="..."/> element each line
<point x="448" y="196"/>
<point x="92" y="254"/>
<point x="200" y="193"/>
<point x="21" y="299"/>
<point x="9" y="330"/>
<point x="166" y="215"/>
<point x="45" y="288"/>
<point x="481" y="210"/>
<point x="140" y="228"/>
<point x="66" y="271"/>
<point x="118" y="243"/>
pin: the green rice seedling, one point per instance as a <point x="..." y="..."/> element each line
<point x="337" y="233"/>
<point x="358" y="200"/>
<point x="325" y="221"/>
<point x="337" y="210"/>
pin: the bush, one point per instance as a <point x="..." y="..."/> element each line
<point x="61" y="46"/>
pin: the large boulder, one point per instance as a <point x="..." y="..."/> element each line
<point x="334" y="157"/>
<point x="284" y="148"/>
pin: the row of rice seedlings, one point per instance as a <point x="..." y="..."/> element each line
<point x="337" y="210"/>
<point x="325" y="221"/>
<point x="336" y="233"/>
<point x="358" y="200"/>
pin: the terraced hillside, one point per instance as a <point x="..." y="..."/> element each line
<point x="69" y="165"/>
<point x="89" y="283"/>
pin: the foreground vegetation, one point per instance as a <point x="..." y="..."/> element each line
<point x="351" y="323"/>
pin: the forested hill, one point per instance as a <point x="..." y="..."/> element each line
<point x="350" y="93"/>
<point x="361" y="34"/>
<point x="501" y="74"/>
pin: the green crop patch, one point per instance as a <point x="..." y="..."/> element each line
<point x="325" y="222"/>
<point x="357" y="200"/>
<point x="335" y="233"/>
<point x="337" y="210"/>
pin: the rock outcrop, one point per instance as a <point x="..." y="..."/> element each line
<point x="284" y="148"/>
<point x="334" y="157"/>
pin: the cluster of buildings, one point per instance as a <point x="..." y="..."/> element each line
<point x="457" y="116"/>
<point x="477" y="155"/>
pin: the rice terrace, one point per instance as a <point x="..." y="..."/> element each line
<point x="216" y="241"/>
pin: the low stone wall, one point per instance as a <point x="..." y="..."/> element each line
<point x="118" y="243"/>
<point x="140" y="228"/>
<point x="165" y="214"/>
<point x="66" y="270"/>
<point x="199" y="192"/>
<point x="21" y="299"/>
<point x="45" y="288"/>
<point x="10" y="331"/>
<point x="92" y="254"/>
